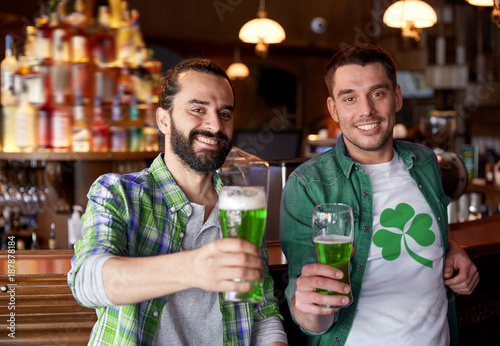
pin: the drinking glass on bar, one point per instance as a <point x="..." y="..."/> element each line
<point x="333" y="230"/>
<point x="242" y="212"/>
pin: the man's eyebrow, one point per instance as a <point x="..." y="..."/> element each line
<point x="198" y="102"/>
<point x="228" y="107"/>
<point x="380" y="86"/>
<point x="344" y="92"/>
<point x="206" y="103"/>
<point x="373" y="87"/>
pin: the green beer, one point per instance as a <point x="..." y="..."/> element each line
<point x="335" y="251"/>
<point x="242" y="212"/>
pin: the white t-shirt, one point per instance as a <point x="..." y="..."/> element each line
<point x="403" y="298"/>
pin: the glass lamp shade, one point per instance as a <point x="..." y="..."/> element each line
<point x="262" y="30"/>
<point x="481" y="2"/>
<point x="237" y="70"/>
<point x="413" y="13"/>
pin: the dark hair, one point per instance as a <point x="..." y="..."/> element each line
<point x="360" y="54"/>
<point x="169" y="86"/>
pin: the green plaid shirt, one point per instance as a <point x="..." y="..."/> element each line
<point x="145" y="214"/>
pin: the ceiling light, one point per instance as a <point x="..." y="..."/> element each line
<point x="411" y="16"/>
<point x="262" y="31"/>
<point x="480" y="2"/>
<point x="495" y="14"/>
<point x="237" y="70"/>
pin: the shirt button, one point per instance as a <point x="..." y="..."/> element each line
<point x="181" y="234"/>
<point x="420" y="186"/>
<point x="356" y="168"/>
<point x="365" y="193"/>
<point x="172" y="209"/>
<point x="439" y="218"/>
<point x="337" y="339"/>
<point x="360" y="265"/>
<point x="366" y="228"/>
<point x="156" y="313"/>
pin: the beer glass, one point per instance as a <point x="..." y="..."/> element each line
<point x="333" y="228"/>
<point x="242" y="212"/>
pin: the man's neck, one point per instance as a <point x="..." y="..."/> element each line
<point x="197" y="187"/>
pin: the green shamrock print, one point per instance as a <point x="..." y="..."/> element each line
<point x="419" y="230"/>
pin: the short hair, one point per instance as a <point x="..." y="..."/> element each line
<point x="169" y="86"/>
<point x="360" y="54"/>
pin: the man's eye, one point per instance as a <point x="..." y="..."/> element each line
<point x="349" y="99"/>
<point x="225" y="115"/>
<point x="377" y="94"/>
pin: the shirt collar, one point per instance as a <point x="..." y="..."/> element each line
<point x="347" y="164"/>
<point x="175" y="197"/>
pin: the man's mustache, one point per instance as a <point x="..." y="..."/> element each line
<point x="219" y="135"/>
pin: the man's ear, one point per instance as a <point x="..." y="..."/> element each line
<point x="398" y="98"/>
<point x="163" y="120"/>
<point x="330" y="103"/>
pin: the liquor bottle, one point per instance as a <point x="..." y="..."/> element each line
<point x="26" y="78"/>
<point x="36" y="72"/>
<point x="100" y="132"/>
<point x="134" y="128"/>
<point x="60" y="34"/>
<point x="491" y="160"/>
<point x="150" y="130"/>
<point x="142" y="81"/>
<point x="8" y="68"/>
<point x="60" y="128"/>
<point x="30" y="44"/>
<point x="43" y="41"/>
<point x="154" y="68"/>
<point x="139" y="54"/>
<point x="104" y="44"/>
<point x="60" y="71"/>
<point x="125" y="88"/>
<point x="80" y="141"/>
<point x="81" y="69"/>
<point x="118" y="130"/>
<point x="25" y="124"/>
<point x="44" y="116"/>
<point x="52" y="237"/>
<point x="124" y="37"/>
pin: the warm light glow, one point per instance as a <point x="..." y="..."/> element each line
<point x="237" y="70"/>
<point x="262" y="29"/>
<point x="481" y="2"/>
<point x="411" y="16"/>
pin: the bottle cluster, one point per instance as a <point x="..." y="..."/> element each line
<point x="79" y="83"/>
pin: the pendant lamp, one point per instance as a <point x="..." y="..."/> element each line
<point x="237" y="70"/>
<point x="480" y="2"/>
<point x="411" y="16"/>
<point x="495" y="14"/>
<point x="262" y="31"/>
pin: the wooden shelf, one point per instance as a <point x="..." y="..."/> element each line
<point x="73" y="156"/>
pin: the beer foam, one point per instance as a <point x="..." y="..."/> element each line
<point x="332" y="239"/>
<point x="241" y="198"/>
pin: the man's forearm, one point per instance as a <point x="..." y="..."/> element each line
<point x="125" y="278"/>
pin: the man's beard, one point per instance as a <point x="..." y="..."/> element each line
<point x="205" y="160"/>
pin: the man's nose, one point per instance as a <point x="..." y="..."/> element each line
<point x="213" y="122"/>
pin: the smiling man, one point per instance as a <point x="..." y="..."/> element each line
<point x="404" y="263"/>
<point x="152" y="261"/>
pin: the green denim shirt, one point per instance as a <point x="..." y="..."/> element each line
<point x="334" y="177"/>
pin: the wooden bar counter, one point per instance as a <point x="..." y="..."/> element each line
<point x="36" y="303"/>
